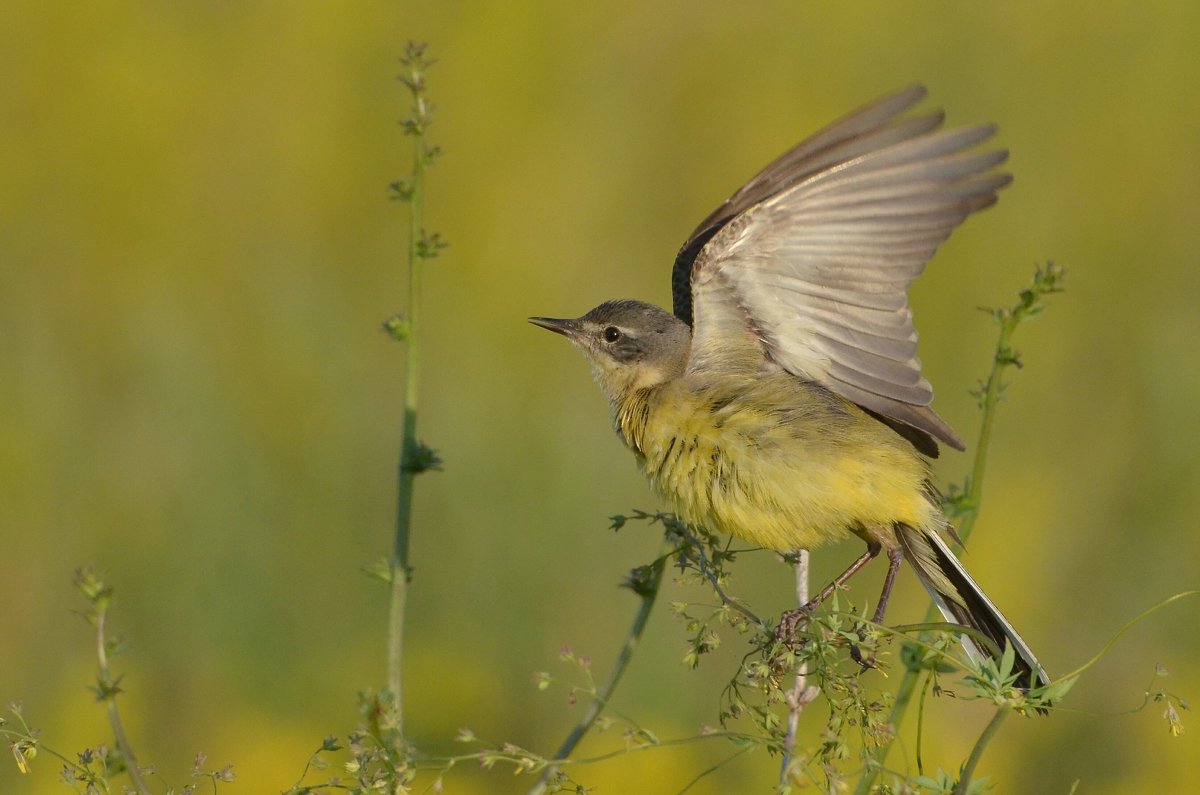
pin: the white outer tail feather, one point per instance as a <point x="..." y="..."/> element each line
<point x="960" y="575"/>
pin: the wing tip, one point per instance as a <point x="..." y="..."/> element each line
<point x="911" y="94"/>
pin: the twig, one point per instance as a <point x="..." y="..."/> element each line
<point x="647" y="590"/>
<point x="1030" y="303"/>
<point x="801" y="694"/>
<point x="1075" y="674"/>
<point x="414" y="457"/>
<point x="100" y="595"/>
<point x="706" y="568"/>
<point x="710" y="770"/>
<point x="966" y="503"/>
<point x="114" y="715"/>
<point x="964" y="780"/>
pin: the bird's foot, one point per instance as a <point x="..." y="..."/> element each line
<point x="865" y="659"/>
<point x="789" y="622"/>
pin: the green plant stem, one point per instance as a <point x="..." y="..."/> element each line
<point x="110" y="699"/>
<point x="1046" y="280"/>
<point x="1075" y="674"/>
<point x="709" y="771"/>
<point x="648" y="595"/>
<point x="705" y="567"/>
<point x="410" y="452"/>
<point x="1030" y="303"/>
<point x="969" y="505"/>
<point x="921" y="725"/>
<point x="964" y="780"/>
<point x="908" y="682"/>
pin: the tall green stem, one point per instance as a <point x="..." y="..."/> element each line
<point x="965" y="505"/>
<point x="408" y="450"/>
<point x="114" y="715"/>
<point x="414" y="457"/>
<point x="647" y="590"/>
<point x="100" y="596"/>
<point x="964" y="780"/>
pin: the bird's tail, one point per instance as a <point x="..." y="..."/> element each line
<point x="964" y="602"/>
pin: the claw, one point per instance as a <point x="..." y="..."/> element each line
<point x="856" y="654"/>
<point x="789" y="622"/>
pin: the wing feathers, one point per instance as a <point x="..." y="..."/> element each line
<point x="785" y="169"/>
<point x="817" y="252"/>
<point x="850" y="150"/>
<point x="876" y="374"/>
<point x="790" y="292"/>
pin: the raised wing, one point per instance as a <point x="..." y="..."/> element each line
<point x="814" y="256"/>
<point x="863" y="130"/>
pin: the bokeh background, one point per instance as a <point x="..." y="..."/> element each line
<point x="197" y="249"/>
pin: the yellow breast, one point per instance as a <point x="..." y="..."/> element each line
<point x="776" y="461"/>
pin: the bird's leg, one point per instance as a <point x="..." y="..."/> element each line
<point x="791" y="619"/>
<point x="895" y="556"/>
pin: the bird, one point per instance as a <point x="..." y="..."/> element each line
<point x="782" y="401"/>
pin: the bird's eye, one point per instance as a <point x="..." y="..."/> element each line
<point x="612" y="334"/>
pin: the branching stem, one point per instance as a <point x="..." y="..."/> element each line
<point x="414" y="457"/>
<point x="114" y="715"/>
<point x="964" y="780"/>
<point x="965" y="504"/>
<point x="648" y="594"/>
<point x="100" y="596"/>
<point x="707" y="569"/>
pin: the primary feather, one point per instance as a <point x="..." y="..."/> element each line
<point x="815" y="255"/>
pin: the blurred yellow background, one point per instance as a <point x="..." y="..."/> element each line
<point x="197" y="248"/>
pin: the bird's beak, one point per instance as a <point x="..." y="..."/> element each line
<point x="558" y="325"/>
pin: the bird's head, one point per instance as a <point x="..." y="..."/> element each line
<point x="630" y="345"/>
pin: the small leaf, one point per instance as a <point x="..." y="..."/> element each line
<point x="381" y="570"/>
<point x="402" y="189"/>
<point x="642" y="580"/>
<point x="398" y="327"/>
<point x="1007" y="659"/>
<point x="419" y="457"/>
<point x="430" y="244"/>
<point x="1055" y="691"/>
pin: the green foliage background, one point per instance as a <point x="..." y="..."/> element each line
<point x="196" y="249"/>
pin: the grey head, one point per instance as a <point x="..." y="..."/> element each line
<point x="629" y="344"/>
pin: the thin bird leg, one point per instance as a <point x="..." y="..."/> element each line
<point x="895" y="556"/>
<point x="790" y="620"/>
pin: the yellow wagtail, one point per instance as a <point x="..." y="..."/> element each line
<point x="783" y="401"/>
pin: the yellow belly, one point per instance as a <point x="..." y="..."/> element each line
<point x="776" y="461"/>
